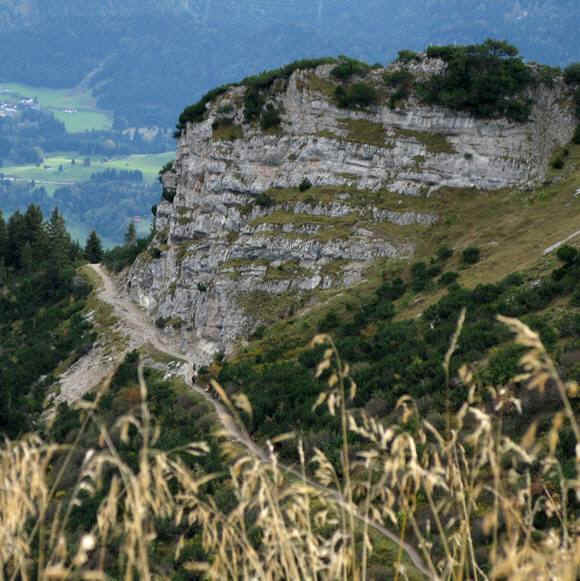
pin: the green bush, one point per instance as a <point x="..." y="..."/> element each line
<point x="392" y="290"/>
<point x="567" y="254"/>
<point x="168" y="194"/>
<point x="557" y="162"/>
<point x="486" y="80"/>
<point x="264" y="200"/>
<point x="270" y="117"/>
<point x="572" y="73"/>
<point x="406" y="56"/>
<point x="349" y="68"/>
<point x="470" y="255"/>
<point x="448" y="278"/>
<point x="356" y="96"/>
<point x="253" y="103"/>
<point x="444" y="253"/>
<point x="305" y="184"/>
<point x="576" y="137"/>
<point x="196" y="112"/>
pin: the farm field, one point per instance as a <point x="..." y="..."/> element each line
<point x="59" y="170"/>
<point x="74" y="107"/>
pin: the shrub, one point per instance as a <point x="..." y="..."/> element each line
<point x="406" y="56"/>
<point x="264" y="200"/>
<point x="557" y="162"/>
<point x="356" y="96"/>
<point x="196" y="112"/>
<point x="419" y="276"/>
<point x="253" y="103"/>
<point x="155" y="252"/>
<point x="270" y="117"/>
<point x="330" y="321"/>
<point x="486" y="79"/>
<point x="448" y="278"/>
<point x="572" y="73"/>
<point x="444" y="253"/>
<point x="567" y="254"/>
<point x="168" y="194"/>
<point x="348" y="68"/>
<point x="576" y="137"/>
<point x="398" y="79"/>
<point x="392" y="290"/>
<point x="470" y="255"/>
<point x="305" y="184"/>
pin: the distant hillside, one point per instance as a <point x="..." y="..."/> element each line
<point x="152" y="58"/>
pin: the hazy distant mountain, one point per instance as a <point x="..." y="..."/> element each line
<point x="152" y="57"/>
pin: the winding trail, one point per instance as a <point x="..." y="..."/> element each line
<point x="140" y="331"/>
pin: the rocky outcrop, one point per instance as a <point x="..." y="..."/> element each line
<point x="262" y="220"/>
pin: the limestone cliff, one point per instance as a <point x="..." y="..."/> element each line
<point x="261" y="219"/>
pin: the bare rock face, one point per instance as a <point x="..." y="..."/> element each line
<point x="247" y="240"/>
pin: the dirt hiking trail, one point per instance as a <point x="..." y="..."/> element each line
<point x="134" y="324"/>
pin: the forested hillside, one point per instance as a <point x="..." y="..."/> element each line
<point x="41" y="320"/>
<point x="145" y="58"/>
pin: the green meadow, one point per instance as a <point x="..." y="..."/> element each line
<point x="59" y="170"/>
<point x="76" y="108"/>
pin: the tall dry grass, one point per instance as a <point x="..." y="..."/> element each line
<point x="461" y="503"/>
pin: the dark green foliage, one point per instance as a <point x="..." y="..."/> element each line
<point x="572" y="73"/>
<point x="567" y="254"/>
<point x="40" y="313"/>
<point x="94" y="248"/>
<point x="196" y="112"/>
<point x="264" y="200"/>
<point x="305" y="184"/>
<point x="266" y="79"/>
<point x="402" y="82"/>
<point x="444" y="253"/>
<point x="419" y="277"/>
<point x="576" y="137"/>
<point x="448" y="278"/>
<point x="390" y="358"/>
<point x="120" y="257"/>
<point x="348" y="68"/>
<point x="407" y="56"/>
<point x="392" y="290"/>
<point x="168" y="194"/>
<point x="254" y="98"/>
<point x="270" y="117"/>
<point x="329" y="322"/>
<point x="470" y="255"/>
<point x="487" y="80"/>
<point x="557" y="162"/>
<point x="356" y="96"/>
<point x="123" y="175"/>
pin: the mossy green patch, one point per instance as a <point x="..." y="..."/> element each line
<point x="433" y="142"/>
<point x="364" y="131"/>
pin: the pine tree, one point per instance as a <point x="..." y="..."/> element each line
<point x="93" y="248"/>
<point x="131" y="235"/>
<point x="3" y="238"/>
<point x="59" y="241"/>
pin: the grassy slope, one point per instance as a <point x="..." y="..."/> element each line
<point x="511" y="227"/>
<point x="47" y="174"/>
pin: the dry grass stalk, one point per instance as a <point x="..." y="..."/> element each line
<point x="438" y="496"/>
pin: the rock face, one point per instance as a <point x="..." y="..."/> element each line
<point x="246" y="239"/>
